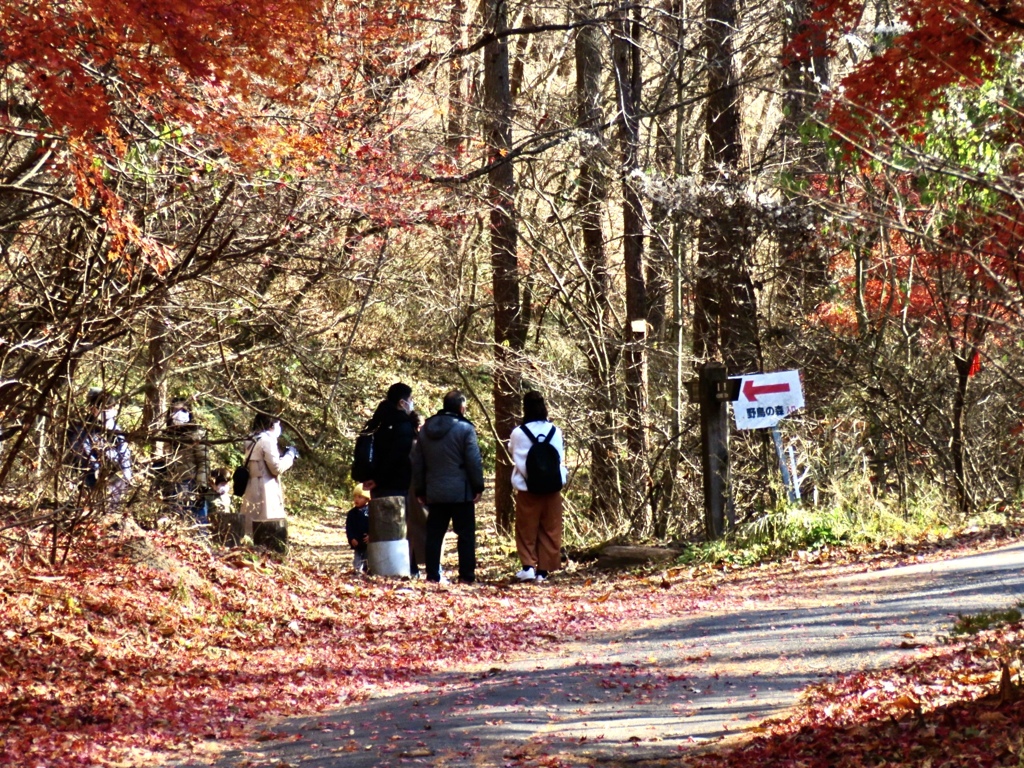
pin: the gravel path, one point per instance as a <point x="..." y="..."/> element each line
<point x="654" y="691"/>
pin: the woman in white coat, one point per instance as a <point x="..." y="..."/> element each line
<point x="263" y="501"/>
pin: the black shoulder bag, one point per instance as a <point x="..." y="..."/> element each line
<point x="240" y="478"/>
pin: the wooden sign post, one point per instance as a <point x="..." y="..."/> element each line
<point x="714" y="390"/>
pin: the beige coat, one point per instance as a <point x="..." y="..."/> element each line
<point x="264" y="499"/>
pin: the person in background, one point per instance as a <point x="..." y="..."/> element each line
<point x="219" y="499"/>
<point x="394" y="425"/>
<point x="263" y="500"/>
<point x="357" y="527"/>
<point x="538" y="514"/>
<point x="448" y="478"/>
<point x="105" y="448"/>
<point x="227" y="528"/>
<point x="185" y="466"/>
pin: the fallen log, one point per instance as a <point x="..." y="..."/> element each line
<point x="619" y="556"/>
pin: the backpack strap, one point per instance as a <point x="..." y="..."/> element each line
<point x="534" y="439"/>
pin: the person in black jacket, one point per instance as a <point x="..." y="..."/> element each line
<point x="394" y="426"/>
<point x="448" y="477"/>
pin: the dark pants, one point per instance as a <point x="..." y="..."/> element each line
<point x="462" y="517"/>
<point x="416" y="533"/>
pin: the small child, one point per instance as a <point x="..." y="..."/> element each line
<point x="357" y="527"/>
<point x="219" y="499"/>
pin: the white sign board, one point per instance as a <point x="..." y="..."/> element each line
<point x="767" y="398"/>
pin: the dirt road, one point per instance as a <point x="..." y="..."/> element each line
<point x="654" y="691"/>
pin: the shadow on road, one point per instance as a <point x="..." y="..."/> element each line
<point x="654" y="692"/>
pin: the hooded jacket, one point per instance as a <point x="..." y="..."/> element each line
<point x="446" y="463"/>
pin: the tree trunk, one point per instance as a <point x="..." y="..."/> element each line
<point x="725" y="305"/>
<point x="155" y="389"/>
<point x="803" y="269"/>
<point x="958" y="447"/>
<point x="456" y="99"/>
<point x="628" y="73"/>
<point x="591" y="199"/>
<point x="509" y="329"/>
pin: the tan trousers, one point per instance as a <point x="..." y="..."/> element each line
<point x="539" y="529"/>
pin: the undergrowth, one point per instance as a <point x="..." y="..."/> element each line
<point x="972" y="624"/>
<point x="849" y="521"/>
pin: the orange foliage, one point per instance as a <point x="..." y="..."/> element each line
<point x="952" y="287"/>
<point x="947" y="42"/>
<point x="297" y="89"/>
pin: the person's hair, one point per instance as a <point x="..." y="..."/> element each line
<point x="454" y="401"/>
<point x="99" y="398"/>
<point x="219" y="476"/>
<point x="534" y="408"/>
<point x="263" y="421"/>
<point x="398" y="392"/>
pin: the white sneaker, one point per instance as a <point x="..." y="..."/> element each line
<point x="527" y="574"/>
<point x="540" y="579"/>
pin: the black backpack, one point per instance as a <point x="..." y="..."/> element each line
<point x="543" y="464"/>
<point x="362" y="457"/>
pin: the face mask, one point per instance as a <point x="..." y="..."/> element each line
<point x="221" y="490"/>
<point x="180" y="417"/>
<point x="275" y="431"/>
<point x="409" y="406"/>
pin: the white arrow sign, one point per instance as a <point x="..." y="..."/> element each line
<point x="767" y="398"/>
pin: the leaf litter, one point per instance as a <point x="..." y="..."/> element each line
<point x="116" y="659"/>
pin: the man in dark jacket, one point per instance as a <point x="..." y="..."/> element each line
<point x="448" y="477"/>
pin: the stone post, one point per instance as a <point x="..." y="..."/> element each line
<point x="388" y="551"/>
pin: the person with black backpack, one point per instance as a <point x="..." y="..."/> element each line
<point x="538" y="476"/>
<point x="381" y="462"/>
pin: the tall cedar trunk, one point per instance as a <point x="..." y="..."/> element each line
<point x="725" y="308"/>
<point x="591" y="199"/>
<point x="509" y="329"/>
<point x="680" y="227"/>
<point x="628" y="80"/>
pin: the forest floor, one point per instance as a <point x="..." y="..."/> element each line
<point x="142" y="651"/>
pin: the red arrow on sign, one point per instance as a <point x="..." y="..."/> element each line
<point x="751" y="391"/>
